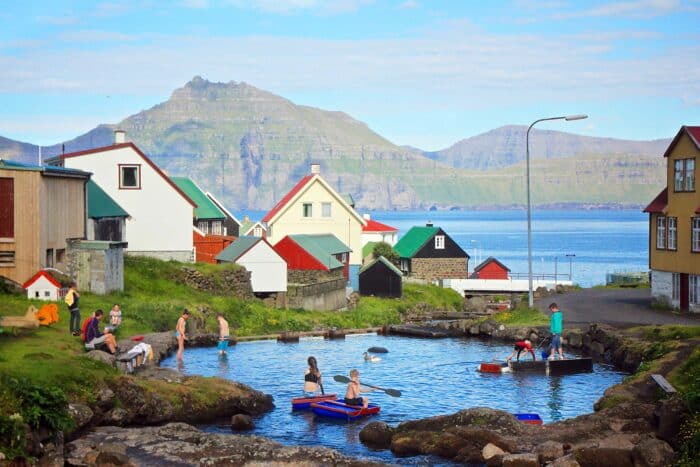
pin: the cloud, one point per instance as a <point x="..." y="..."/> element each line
<point x="633" y="9"/>
<point x="195" y="4"/>
<point x="409" y="5"/>
<point x="320" y="7"/>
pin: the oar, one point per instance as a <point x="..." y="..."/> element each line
<point x="321" y="386"/>
<point x="391" y="392"/>
<point x="459" y="363"/>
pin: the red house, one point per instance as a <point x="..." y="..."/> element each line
<point x="490" y="268"/>
<point x="208" y="246"/>
<point x="314" y="252"/>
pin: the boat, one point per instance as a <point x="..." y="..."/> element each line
<point x="304" y="402"/>
<point x="335" y="409"/>
<point x="529" y="418"/>
<point x="496" y="367"/>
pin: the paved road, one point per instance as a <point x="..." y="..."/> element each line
<point x="613" y="306"/>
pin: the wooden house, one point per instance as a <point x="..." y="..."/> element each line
<point x="231" y="223"/>
<point x="491" y="268"/>
<point x="207" y="247"/>
<point x="160" y="222"/>
<point x="208" y="218"/>
<point x="312" y="206"/>
<point x="674" y="226"/>
<point x="106" y="219"/>
<point x="268" y="270"/>
<point x="428" y="253"/>
<point x="375" y="232"/>
<point x="41" y="209"/>
<point x="320" y="252"/>
<point x="381" y="279"/>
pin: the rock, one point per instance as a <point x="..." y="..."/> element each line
<point x="604" y="457"/>
<point x="619" y="441"/>
<point x="549" y="450"/>
<point x="112" y="454"/>
<point x="491" y="450"/>
<point x="402" y="445"/>
<point x="100" y="356"/>
<point x="668" y="416"/>
<point x="104" y="398"/>
<point x="81" y="414"/>
<point x="487" y="326"/>
<point x="597" y="349"/>
<point x="116" y="416"/>
<point x="652" y="453"/>
<point x="498" y="421"/>
<point x="565" y="461"/>
<point x="575" y="340"/>
<point x="241" y="422"/>
<point x="377" y="350"/>
<point x="474" y="330"/>
<point x="377" y="435"/>
<point x="495" y="461"/>
<point x="521" y="460"/>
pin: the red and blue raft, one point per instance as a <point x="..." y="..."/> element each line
<point x="304" y="403"/>
<point x="528" y="418"/>
<point x="335" y="409"/>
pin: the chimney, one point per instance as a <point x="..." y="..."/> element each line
<point x="429" y="224"/>
<point x="315" y="169"/>
<point x="119" y="136"/>
<point x="365" y="216"/>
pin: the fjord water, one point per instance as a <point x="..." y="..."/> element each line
<point x="411" y="366"/>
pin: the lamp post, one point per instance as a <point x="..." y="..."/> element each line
<point x="530" y="297"/>
<point x="477" y="252"/>
<point x="571" y="256"/>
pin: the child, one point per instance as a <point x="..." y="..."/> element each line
<point x="555" y="327"/>
<point x="312" y="377"/>
<point x="115" y="317"/>
<point x="519" y="347"/>
<point x="223" y="334"/>
<point x="180" y="333"/>
<point x="352" y="394"/>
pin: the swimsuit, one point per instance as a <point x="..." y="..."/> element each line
<point x="311" y="378"/>
<point x="354" y="401"/>
<point x="223" y="344"/>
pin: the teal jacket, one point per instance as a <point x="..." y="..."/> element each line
<point x="555" y="324"/>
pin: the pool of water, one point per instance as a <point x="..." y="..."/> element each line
<point x="411" y="366"/>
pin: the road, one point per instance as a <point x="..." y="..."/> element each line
<point x="613" y="306"/>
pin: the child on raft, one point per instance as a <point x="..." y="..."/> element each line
<point x="312" y="378"/>
<point x="518" y="348"/>
<point x="352" y="394"/>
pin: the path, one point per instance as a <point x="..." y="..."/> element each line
<point x="612" y="306"/>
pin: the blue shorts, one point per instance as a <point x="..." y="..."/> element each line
<point x="223" y="345"/>
<point x="556" y="341"/>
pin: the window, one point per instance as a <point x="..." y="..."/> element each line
<point x="47" y="293"/>
<point x="695" y="235"/>
<point x="60" y="256"/>
<point x="694" y="289"/>
<point x="49" y="258"/>
<point x="307" y="209"/>
<point x="129" y="177"/>
<point x="326" y="209"/>
<point x="672" y="233"/>
<point x="7" y="258"/>
<point x="660" y="233"/>
<point x="257" y="231"/>
<point x="676" y="293"/>
<point x="203" y="226"/>
<point x="684" y="175"/>
<point x="216" y="227"/>
<point x="7" y="208"/>
<point x="439" y="242"/>
<point x="343" y="257"/>
<point x="404" y="265"/>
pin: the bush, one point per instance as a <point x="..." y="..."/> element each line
<point x="40" y="406"/>
<point x="386" y="250"/>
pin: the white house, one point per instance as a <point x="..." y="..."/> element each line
<point x="268" y="270"/>
<point x="42" y="286"/>
<point x="312" y="206"/>
<point x="160" y="222"/>
<point x="375" y="231"/>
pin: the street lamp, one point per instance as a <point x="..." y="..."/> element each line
<point x="477" y="252"/>
<point x="571" y="256"/>
<point x="530" y="297"/>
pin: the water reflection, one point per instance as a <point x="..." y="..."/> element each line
<point x="555" y="398"/>
<point x="223" y="366"/>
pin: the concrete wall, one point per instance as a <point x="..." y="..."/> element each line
<point x="328" y="295"/>
<point x="439" y="268"/>
<point x="662" y="289"/>
<point x="97" y="267"/>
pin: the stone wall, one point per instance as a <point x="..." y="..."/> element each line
<point x="184" y="256"/>
<point x="96" y="266"/>
<point x="662" y="289"/>
<point x="327" y="295"/>
<point x="227" y="281"/>
<point x="297" y="276"/>
<point x="439" y="268"/>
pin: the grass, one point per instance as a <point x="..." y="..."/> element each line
<point x="522" y="316"/>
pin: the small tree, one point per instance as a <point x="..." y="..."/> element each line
<point x="387" y="251"/>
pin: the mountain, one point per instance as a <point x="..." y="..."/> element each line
<point x="505" y="146"/>
<point x="249" y="147"/>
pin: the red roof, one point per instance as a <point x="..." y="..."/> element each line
<point x="287" y="198"/>
<point x="138" y="151"/>
<point x="374" y="226"/>
<point x="489" y="260"/>
<point x="39" y="274"/>
<point x="659" y="203"/>
<point x="693" y="133"/>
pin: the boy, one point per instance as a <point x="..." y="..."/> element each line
<point x="352" y="394"/>
<point x="72" y="299"/>
<point x="93" y="336"/>
<point x="223" y="334"/>
<point x="519" y="347"/>
<point x="180" y="333"/>
<point x="555" y="327"/>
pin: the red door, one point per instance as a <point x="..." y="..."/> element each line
<point x="684" y="292"/>
<point x="7" y="208"/>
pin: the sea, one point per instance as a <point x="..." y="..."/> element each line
<point x="581" y="245"/>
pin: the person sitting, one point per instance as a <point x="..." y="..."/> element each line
<point x="370" y="358"/>
<point x="115" y="317"/>
<point x="93" y="336"/>
<point x="312" y="378"/>
<point x="518" y="348"/>
<point x="352" y="394"/>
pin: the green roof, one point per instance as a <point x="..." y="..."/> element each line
<point x="206" y="209"/>
<point x="232" y="252"/>
<point x="368" y="249"/>
<point x="414" y="240"/>
<point x="386" y="262"/>
<point x="100" y="204"/>
<point x="322" y="247"/>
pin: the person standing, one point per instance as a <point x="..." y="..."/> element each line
<point x="223" y="334"/>
<point x="180" y="333"/>
<point x="72" y="299"/>
<point x="555" y="327"/>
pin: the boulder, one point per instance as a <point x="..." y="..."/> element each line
<point x="487" y="326"/>
<point x="521" y="460"/>
<point x="81" y="414"/>
<point x="117" y="416"/>
<point x="652" y="453"/>
<point x="377" y="435"/>
<point x="498" y="421"/>
<point x="100" y="356"/>
<point x="377" y="350"/>
<point x="668" y="416"/>
<point x="241" y="422"/>
<point x="104" y="398"/>
<point x="491" y="450"/>
<point x="575" y="340"/>
<point x="597" y="349"/>
<point x="549" y="450"/>
<point x="565" y="461"/>
<point x="474" y="330"/>
<point x="112" y="454"/>
<point x="405" y="445"/>
<point x="604" y="457"/>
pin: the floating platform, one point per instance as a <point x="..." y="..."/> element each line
<point x="304" y="403"/>
<point x="335" y="409"/>
<point x="554" y="367"/>
<point x="496" y="367"/>
<point x="529" y="418"/>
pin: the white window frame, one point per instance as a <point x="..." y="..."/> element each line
<point x="661" y="233"/>
<point x="325" y="209"/>
<point x="693" y="289"/>
<point x="203" y="226"/>
<point x="137" y="174"/>
<point x="439" y="242"/>
<point x="695" y="234"/>
<point x="672" y="225"/>
<point x="216" y="227"/>
<point x="676" y="287"/>
<point x="307" y="210"/>
<point x="684" y="175"/>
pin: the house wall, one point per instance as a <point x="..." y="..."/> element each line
<point x="389" y="237"/>
<point x="662" y="289"/>
<point x="380" y="281"/>
<point x="160" y="222"/>
<point x="296" y="257"/>
<point x="97" y="267"/>
<point x="342" y="223"/>
<point x="439" y="268"/>
<point x="42" y="289"/>
<point x="208" y="246"/>
<point x="681" y="205"/>
<point x="492" y="271"/>
<point x="268" y="271"/>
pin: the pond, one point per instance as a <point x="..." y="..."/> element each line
<point x="411" y="366"/>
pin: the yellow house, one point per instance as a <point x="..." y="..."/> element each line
<point x="674" y="227"/>
<point x="312" y="206"/>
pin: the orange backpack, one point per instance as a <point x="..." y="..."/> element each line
<point x="83" y="329"/>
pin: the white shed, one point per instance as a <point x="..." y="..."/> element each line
<point x="268" y="270"/>
<point x="42" y="286"/>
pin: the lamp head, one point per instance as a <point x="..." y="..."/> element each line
<point x="568" y="118"/>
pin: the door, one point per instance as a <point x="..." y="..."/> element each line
<point x="685" y="292"/>
<point x="7" y="208"/>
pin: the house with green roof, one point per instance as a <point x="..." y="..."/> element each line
<point x="208" y="218"/>
<point x="106" y="218"/>
<point x="268" y="270"/>
<point x="380" y="278"/>
<point x="428" y="253"/>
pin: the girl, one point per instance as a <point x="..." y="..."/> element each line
<point x="312" y="377"/>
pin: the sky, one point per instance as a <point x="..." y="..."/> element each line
<point x="424" y="73"/>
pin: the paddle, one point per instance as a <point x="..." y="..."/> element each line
<point x="459" y="363"/>
<point x="391" y="392"/>
<point x="321" y="386"/>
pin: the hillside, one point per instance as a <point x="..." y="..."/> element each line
<point x="249" y="146"/>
